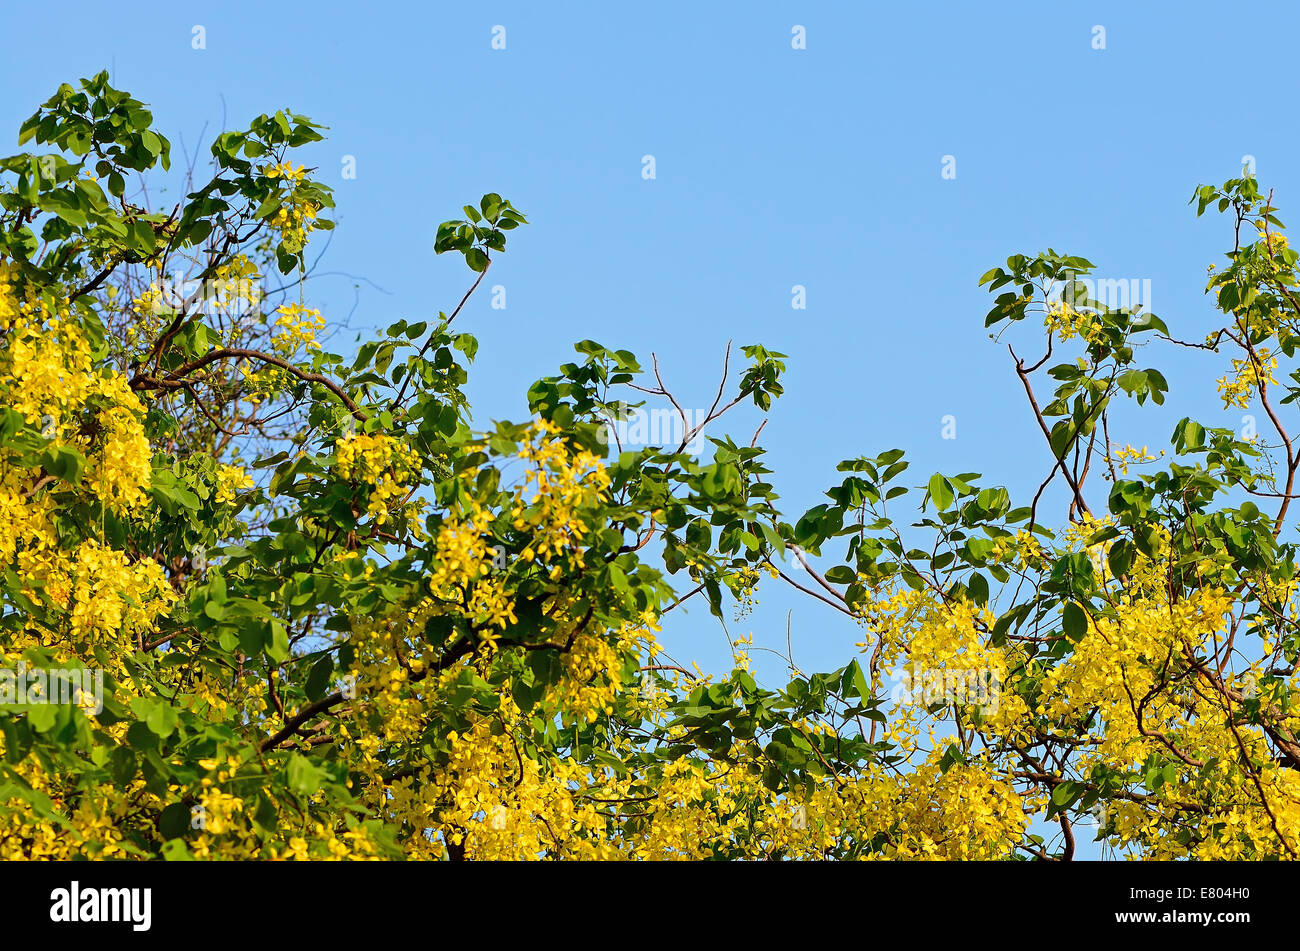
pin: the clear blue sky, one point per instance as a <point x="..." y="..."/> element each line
<point x="775" y="167"/>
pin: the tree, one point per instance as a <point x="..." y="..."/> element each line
<point x="333" y="619"/>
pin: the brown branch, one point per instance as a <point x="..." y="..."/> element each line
<point x="174" y="381"/>
<point x="1038" y="415"/>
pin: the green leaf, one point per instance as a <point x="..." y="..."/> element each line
<point x="1074" y="622"/>
<point x="162" y="719"/>
<point x="278" y="648"/>
<point x="64" y="463"/>
<point x="940" y="492"/>
<point x="174" y="821"/>
<point x="304" y="776"/>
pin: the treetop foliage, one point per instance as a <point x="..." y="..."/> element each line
<point x="333" y="619"/>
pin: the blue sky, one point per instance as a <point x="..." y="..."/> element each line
<point x="774" y="167"/>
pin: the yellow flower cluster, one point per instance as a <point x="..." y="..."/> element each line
<point x="110" y="598"/>
<point x="105" y="601"/>
<point x="1022" y="550"/>
<point x="296" y="218"/>
<point x="1127" y="456"/>
<point x="1067" y="322"/>
<point x="286" y="171"/>
<point x="238" y="279"/>
<point x="1240" y="385"/>
<point x="120" y="454"/>
<point x="592" y="678"/>
<point x="745" y="585"/>
<point x="149" y="304"/>
<point x="464" y="573"/>
<point x="1275" y="241"/>
<point x="296" y="329"/>
<point x="219" y="810"/>
<point x="230" y="481"/>
<point x="381" y="462"/>
<point x="558" y="483"/>
<point x="46" y="366"/>
<point x="46" y="375"/>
